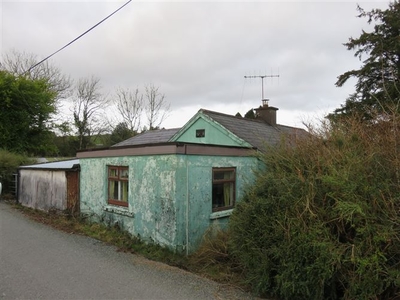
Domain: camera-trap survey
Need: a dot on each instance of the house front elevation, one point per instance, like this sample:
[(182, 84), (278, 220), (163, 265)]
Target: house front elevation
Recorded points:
[(170, 186)]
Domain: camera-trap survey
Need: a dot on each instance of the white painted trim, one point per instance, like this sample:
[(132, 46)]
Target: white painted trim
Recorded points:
[(118, 210), (221, 214)]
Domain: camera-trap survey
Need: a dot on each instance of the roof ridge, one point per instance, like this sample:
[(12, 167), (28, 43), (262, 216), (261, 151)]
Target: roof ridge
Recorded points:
[(236, 117), (249, 120)]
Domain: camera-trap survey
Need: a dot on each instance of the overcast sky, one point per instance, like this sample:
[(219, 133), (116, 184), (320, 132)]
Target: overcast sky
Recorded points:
[(198, 53)]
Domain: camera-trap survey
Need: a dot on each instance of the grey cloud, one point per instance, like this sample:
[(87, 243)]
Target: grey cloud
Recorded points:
[(198, 52)]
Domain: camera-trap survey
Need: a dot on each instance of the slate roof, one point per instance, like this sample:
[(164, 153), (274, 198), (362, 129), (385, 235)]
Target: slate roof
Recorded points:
[(149, 137), (258, 133)]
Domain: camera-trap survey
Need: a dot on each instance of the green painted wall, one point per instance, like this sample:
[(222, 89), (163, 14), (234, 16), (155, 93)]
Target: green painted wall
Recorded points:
[(169, 195), (200, 192), (215, 134)]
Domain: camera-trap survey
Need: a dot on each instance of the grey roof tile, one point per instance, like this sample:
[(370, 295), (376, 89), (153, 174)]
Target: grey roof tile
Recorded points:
[(149, 137), (258, 133)]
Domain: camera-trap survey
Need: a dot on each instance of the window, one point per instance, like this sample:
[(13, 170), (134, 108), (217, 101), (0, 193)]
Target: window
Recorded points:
[(223, 188), (200, 133), (118, 182)]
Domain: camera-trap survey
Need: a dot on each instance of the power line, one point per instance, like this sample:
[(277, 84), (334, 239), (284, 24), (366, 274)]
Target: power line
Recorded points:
[(43, 60)]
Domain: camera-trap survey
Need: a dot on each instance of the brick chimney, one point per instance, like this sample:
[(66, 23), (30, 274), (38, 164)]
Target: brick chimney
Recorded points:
[(266, 113)]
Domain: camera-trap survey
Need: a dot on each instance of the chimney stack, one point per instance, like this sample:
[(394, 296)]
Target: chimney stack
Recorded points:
[(266, 113)]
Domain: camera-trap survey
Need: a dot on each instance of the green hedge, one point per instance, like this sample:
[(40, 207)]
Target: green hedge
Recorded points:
[(322, 220), (9, 163)]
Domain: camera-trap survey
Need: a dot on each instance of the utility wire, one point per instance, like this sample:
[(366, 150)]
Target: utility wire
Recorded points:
[(43, 60)]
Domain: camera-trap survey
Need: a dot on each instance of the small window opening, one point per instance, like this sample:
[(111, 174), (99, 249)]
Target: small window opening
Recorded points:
[(200, 133), (223, 188), (118, 182)]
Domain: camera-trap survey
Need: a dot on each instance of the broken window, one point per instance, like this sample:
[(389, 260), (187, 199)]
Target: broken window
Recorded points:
[(223, 188), (118, 181)]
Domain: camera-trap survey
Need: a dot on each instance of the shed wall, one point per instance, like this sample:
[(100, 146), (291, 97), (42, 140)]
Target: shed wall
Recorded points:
[(43, 189)]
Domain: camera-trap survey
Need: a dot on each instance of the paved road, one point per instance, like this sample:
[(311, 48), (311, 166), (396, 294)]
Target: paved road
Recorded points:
[(39, 262)]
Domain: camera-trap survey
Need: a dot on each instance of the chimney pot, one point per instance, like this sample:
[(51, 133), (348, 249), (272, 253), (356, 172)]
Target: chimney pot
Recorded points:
[(266, 113)]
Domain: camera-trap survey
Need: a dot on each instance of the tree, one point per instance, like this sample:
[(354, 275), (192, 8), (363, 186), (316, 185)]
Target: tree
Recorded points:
[(250, 114), (378, 79), (121, 133), (20, 63), (130, 106), (88, 105), (66, 143), (156, 107), (25, 116)]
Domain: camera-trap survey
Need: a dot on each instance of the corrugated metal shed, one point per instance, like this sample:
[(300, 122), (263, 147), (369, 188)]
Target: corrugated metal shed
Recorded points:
[(57, 165), (48, 186)]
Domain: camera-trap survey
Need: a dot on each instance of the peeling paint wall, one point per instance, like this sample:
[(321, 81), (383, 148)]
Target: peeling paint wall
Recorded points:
[(200, 191), (152, 211), (170, 196), (43, 189)]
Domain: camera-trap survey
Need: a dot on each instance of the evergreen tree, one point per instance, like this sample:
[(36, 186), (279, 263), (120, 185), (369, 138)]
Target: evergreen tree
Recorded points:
[(378, 79), (121, 133), (250, 114)]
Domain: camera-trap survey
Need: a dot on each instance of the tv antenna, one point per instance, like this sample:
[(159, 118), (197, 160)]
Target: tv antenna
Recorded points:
[(262, 81)]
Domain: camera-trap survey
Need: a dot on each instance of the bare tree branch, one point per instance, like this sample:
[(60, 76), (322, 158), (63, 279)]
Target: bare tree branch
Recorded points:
[(130, 106), (88, 105), (18, 62), (156, 107)]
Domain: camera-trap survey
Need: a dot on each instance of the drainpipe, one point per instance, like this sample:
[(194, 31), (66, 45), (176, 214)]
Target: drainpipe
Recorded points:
[(187, 202)]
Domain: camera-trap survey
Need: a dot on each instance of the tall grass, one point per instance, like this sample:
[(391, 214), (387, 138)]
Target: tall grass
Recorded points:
[(323, 218)]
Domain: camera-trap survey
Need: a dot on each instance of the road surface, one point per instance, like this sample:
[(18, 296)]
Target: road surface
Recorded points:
[(39, 262)]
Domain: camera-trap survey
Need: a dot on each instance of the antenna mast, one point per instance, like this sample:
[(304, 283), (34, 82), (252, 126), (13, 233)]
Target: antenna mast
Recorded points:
[(262, 81)]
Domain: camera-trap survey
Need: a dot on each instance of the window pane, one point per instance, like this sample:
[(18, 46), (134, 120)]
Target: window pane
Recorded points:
[(113, 190), (220, 175), (123, 173), (217, 195), (113, 172), (222, 194), (124, 191), (228, 194)]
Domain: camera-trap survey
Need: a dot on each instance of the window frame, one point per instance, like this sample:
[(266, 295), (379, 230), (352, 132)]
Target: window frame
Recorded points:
[(119, 179), (222, 181)]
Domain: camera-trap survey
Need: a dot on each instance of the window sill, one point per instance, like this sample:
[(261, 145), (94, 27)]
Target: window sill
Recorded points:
[(118, 210), (221, 214)]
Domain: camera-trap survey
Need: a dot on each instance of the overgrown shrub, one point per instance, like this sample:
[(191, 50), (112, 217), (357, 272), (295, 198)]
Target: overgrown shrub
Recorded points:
[(213, 258), (9, 163), (322, 220)]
